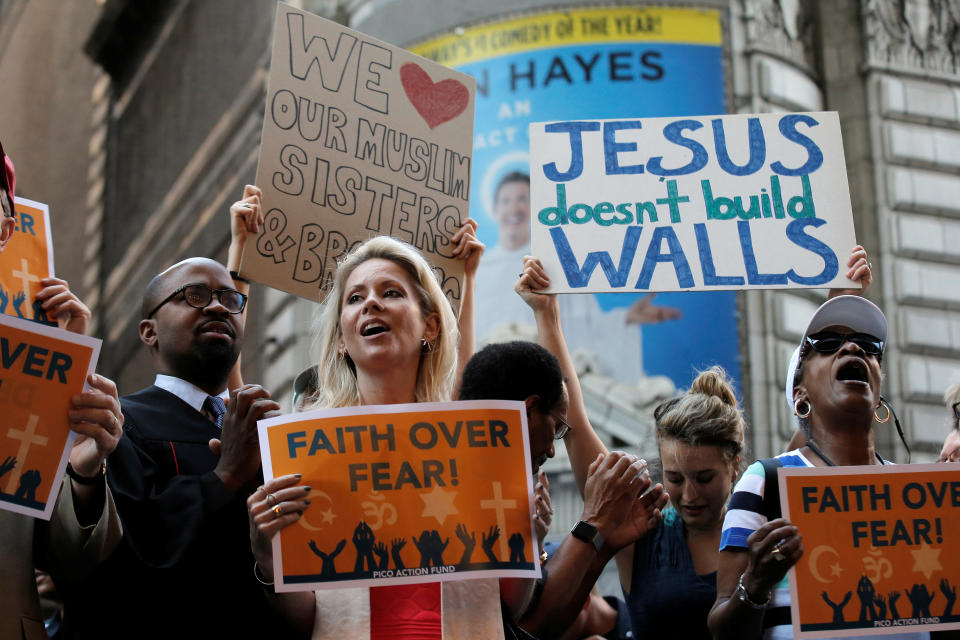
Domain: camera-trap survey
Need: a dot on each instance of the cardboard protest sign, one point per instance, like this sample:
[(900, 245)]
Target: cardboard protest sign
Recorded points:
[(26, 261), (691, 203), (404, 493), (879, 548), (42, 368), (360, 138)]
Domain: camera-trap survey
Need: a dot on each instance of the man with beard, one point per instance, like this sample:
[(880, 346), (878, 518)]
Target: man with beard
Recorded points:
[(184, 569)]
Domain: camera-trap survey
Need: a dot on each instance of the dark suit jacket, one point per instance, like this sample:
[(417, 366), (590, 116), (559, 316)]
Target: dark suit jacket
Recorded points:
[(184, 568)]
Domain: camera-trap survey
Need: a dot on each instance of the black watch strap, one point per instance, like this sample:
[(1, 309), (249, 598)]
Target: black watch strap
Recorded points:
[(84, 480), (585, 531)]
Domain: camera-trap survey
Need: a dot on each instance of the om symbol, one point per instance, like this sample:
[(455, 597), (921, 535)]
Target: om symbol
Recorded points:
[(378, 512), (876, 566)]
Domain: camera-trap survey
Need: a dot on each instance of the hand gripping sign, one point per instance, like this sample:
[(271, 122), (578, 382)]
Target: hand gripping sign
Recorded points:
[(879, 548), (404, 493)]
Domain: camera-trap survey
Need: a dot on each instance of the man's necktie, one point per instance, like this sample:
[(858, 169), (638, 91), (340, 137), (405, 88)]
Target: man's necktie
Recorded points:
[(215, 408)]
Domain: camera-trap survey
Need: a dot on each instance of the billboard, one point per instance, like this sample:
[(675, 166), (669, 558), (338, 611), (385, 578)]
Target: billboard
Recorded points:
[(590, 63)]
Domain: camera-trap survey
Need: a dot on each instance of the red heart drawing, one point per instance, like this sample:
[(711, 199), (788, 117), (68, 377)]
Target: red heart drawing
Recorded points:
[(436, 102)]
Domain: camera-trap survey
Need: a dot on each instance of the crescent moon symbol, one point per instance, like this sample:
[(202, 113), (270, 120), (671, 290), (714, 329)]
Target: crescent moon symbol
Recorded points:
[(815, 556), (303, 519)]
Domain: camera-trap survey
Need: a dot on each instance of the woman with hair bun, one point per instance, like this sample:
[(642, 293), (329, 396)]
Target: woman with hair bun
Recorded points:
[(669, 574), (673, 584)]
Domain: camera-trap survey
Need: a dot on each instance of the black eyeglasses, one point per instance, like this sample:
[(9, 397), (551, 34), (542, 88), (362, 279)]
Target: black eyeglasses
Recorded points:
[(563, 429), (831, 341), (199, 296)]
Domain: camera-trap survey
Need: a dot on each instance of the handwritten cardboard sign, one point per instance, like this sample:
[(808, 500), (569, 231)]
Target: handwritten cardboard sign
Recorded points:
[(404, 493), (691, 203), (26, 261), (42, 367), (360, 138), (879, 548)]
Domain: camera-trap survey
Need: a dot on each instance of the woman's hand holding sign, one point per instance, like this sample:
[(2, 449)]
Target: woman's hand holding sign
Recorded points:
[(272, 507), (773, 549), (59, 303)]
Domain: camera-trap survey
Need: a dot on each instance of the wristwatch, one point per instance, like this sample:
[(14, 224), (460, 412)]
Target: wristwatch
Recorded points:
[(747, 600), (85, 480), (588, 533)]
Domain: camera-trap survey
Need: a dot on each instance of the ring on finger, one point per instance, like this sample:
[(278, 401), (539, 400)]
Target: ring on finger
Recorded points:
[(777, 553), (272, 497), (277, 511)]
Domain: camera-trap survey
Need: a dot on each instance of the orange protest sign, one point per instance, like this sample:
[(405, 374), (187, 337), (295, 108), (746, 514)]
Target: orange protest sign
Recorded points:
[(404, 493), (26, 261), (879, 548), (42, 367)]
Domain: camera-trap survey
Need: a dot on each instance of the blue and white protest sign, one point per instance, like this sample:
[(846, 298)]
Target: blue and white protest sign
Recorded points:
[(691, 203)]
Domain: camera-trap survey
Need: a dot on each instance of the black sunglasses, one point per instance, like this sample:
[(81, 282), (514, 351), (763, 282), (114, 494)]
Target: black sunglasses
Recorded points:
[(199, 296), (831, 341)]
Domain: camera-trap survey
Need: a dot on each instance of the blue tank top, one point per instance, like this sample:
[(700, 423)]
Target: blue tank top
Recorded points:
[(667, 598)]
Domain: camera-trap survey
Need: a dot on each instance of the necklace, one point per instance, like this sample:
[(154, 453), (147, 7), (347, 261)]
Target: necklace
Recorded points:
[(813, 447)]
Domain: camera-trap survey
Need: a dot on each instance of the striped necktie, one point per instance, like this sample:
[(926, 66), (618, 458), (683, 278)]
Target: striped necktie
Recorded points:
[(215, 408)]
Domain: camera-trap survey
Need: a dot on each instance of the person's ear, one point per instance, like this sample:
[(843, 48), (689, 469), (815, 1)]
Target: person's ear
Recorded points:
[(148, 333), (532, 402), (6, 230), (431, 329)]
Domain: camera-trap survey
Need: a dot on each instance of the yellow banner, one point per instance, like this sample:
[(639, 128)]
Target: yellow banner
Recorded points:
[(576, 26)]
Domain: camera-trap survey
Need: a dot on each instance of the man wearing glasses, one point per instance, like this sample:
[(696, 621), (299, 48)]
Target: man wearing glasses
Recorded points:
[(181, 479)]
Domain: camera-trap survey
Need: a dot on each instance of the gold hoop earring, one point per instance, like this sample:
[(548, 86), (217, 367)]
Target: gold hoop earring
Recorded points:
[(796, 408), (886, 418)]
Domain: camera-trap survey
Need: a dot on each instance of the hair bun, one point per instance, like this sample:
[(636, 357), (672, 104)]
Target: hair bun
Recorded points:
[(715, 382)]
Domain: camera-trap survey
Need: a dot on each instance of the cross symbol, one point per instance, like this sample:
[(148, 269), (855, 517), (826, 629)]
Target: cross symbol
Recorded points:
[(26, 437), (25, 277), (500, 505)]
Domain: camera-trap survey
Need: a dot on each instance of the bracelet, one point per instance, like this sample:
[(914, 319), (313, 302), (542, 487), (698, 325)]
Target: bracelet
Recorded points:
[(256, 574), (88, 481), (239, 278), (745, 597)]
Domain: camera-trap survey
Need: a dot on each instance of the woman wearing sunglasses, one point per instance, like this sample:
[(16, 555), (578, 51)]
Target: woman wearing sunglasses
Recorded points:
[(836, 391)]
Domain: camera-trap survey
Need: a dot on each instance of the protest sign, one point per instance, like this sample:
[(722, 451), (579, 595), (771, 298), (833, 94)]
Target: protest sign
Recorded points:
[(42, 368), (877, 548), (26, 261), (360, 138), (691, 204), (404, 493)]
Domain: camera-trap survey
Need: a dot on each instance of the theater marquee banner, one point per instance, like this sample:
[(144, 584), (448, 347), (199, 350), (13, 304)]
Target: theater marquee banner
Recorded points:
[(588, 63)]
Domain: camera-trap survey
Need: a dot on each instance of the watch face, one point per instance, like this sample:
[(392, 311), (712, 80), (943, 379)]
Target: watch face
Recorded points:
[(588, 533), (584, 531)]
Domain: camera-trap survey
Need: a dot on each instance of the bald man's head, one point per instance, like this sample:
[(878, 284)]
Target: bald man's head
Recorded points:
[(199, 345)]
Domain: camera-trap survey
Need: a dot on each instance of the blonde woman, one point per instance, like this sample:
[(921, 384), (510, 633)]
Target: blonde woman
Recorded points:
[(386, 335)]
